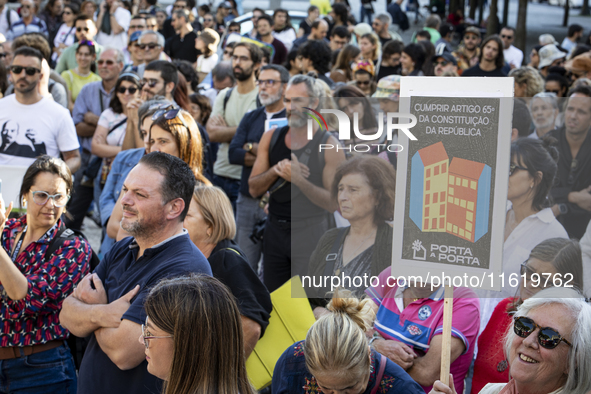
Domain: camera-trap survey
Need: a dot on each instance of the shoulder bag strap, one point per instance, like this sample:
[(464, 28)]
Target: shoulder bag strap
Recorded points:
[(383, 361), (331, 257)]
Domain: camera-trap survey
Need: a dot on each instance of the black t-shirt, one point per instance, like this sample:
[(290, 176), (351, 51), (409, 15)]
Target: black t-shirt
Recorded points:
[(306, 27), (387, 70), (476, 71), (182, 49), (383, 41), (230, 266)]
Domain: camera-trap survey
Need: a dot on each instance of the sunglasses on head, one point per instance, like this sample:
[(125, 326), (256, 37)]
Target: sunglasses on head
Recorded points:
[(30, 71), (151, 45), (168, 114), (79, 29), (130, 89), (548, 338)]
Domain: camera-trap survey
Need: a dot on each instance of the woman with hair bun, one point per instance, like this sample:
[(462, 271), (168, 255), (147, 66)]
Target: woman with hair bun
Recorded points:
[(336, 356)]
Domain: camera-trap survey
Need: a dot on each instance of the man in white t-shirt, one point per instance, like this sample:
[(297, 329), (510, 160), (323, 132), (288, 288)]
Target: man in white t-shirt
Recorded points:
[(112, 22), (512, 55), (30, 124), (7, 21)]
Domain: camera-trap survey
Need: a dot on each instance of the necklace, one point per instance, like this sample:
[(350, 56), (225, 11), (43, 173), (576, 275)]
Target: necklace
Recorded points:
[(338, 271)]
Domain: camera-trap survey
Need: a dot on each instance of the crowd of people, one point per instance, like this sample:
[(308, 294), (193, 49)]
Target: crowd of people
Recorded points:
[(186, 139)]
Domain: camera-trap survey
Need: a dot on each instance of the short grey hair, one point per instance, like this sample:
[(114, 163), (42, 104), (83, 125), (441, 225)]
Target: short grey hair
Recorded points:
[(223, 70), (314, 89), (159, 37), (182, 13), (547, 97), (384, 18), (119, 57), (433, 21), (579, 355)]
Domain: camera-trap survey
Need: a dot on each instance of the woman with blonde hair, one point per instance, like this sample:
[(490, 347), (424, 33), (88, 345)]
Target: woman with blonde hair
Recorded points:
[(370, 46), (212, 228), (207, 42), (193, 337), (336, 356), (528, 81)]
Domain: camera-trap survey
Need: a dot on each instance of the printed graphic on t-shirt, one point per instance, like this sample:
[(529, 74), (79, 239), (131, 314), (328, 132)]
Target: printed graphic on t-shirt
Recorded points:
[(17, 141)]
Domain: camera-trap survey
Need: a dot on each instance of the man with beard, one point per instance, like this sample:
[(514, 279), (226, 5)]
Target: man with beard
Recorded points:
[(300, 203), (265, 34), (572, 189), (85, 31), (230, 106), (108, 305), (45, 127), (243, 151), (468, 52), (491, 60)]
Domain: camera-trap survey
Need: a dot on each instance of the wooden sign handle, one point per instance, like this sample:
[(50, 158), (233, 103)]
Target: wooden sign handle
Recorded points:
[(446, 335)]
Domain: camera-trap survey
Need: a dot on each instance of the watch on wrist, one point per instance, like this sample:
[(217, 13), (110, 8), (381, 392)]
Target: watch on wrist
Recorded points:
[(248, 147), (562, 208)]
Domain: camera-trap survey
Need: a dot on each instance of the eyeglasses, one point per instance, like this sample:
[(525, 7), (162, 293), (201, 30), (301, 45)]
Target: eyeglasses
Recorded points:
[(41, 198), (150, 46), (100, 62), (148, 337), (548, 338), (539, 281), (79, 29), (442, 64), (514, 167), (130, 89), (506, 36), (30, 71), (267, 82), (150, 82)]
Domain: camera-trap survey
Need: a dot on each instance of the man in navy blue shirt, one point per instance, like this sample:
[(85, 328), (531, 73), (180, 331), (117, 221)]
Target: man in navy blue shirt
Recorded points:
[(243, 150), (109, 302)]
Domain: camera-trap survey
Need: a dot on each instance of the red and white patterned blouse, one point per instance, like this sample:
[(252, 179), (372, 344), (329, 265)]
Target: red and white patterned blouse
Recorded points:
[(35, 319)]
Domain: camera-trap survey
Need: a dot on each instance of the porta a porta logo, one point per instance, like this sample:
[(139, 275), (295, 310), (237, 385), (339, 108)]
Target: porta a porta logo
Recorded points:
[(345, 124)]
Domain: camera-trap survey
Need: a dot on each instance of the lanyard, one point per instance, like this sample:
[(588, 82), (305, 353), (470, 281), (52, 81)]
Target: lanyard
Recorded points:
[(17, 248), (101, 100)]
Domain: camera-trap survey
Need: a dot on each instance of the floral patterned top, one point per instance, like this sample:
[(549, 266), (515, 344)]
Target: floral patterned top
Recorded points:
[(35, 319), (292, 376)]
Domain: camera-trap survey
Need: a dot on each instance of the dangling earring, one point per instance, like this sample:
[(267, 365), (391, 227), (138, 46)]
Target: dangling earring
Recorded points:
[(24, 203)]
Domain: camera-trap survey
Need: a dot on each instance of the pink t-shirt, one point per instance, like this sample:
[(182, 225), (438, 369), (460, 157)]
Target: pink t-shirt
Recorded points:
[(416, 324)]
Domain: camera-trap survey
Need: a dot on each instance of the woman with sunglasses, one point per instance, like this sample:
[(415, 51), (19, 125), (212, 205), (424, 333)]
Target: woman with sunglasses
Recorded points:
[(65, 35), (552, 263), (547, 347), (193, 337), (529, 219), (35, 356), (112, 123), (84, 73)]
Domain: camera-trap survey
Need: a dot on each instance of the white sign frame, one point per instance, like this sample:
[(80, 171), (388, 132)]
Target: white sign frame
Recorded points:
[(497, 87)]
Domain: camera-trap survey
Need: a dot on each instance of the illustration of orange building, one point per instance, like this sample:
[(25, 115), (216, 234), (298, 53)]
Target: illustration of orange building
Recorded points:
[(452, 198), (428, 188)]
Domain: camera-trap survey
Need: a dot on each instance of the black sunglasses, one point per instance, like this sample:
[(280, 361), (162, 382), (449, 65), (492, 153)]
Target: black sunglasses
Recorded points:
[(150, 82), (2, 55), (548, 338), (514, 167), (169, 114), (30, 71), (130, 89), (79, 29)]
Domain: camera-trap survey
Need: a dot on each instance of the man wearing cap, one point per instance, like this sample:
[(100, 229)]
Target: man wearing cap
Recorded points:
[(388, 95), (550, 56), (513, 56), (579, 67), (445, 63), (135, 56), (469, 51), (318, 31)]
